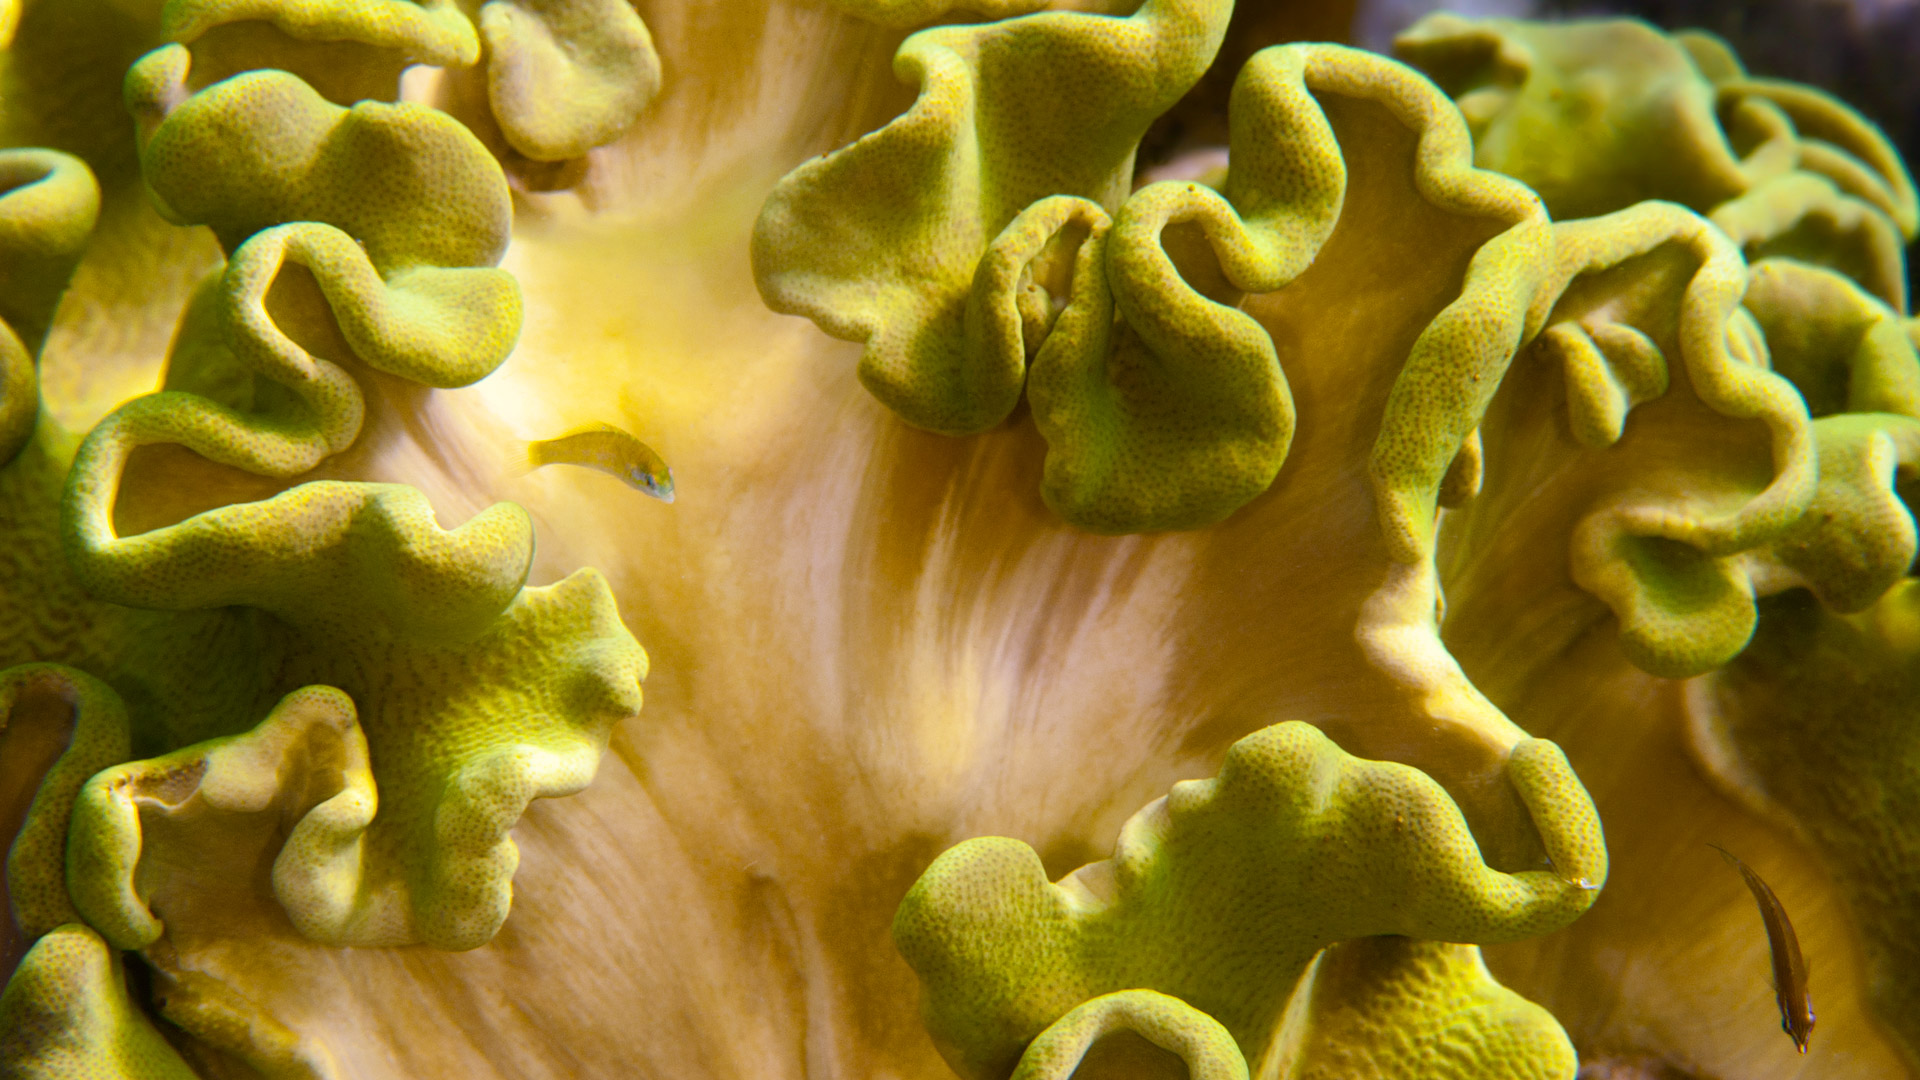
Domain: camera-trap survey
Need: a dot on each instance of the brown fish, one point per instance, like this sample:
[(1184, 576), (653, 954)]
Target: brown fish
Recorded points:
[(1789, 969)]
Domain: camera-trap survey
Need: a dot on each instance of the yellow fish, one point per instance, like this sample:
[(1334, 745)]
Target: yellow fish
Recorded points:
[(610, 450)]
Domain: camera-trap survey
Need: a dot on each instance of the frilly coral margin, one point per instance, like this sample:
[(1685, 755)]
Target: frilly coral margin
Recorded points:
[(48, 204), (879, 242), (65, 1013), (1302, 449), (446, 695), (1221, 894)]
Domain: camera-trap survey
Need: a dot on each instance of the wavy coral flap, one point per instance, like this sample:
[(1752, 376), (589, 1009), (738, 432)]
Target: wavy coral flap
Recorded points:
[(1203, 1048), (1851, 359), (1398, 1006), (1180, 414), (1221, 894), (1598, 115), (473, 695), (411, 184), (1645, 308), (413, 849), (48, 204), (1177, 412), (66, 1014), (1805, 217), (1595, 115), (565, 76), (1373, 1006), (59, 727), (433, 32), (879, 242)]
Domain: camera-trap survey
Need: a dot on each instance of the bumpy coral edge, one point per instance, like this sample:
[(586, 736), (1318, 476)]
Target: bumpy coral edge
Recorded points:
[(999, 950), (1866, 165), (429, 32), (37, 862), (1777, 207), (1732, 385), (48, 204), (1456, 363), (909, 304), (1204, 1047), (66, 1013), (563, 80), (290, 553)]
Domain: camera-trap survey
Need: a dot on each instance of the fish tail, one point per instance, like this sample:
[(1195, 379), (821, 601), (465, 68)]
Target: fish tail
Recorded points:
[(534, 457)]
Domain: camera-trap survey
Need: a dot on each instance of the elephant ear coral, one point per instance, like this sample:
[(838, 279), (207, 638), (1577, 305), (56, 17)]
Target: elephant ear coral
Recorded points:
[(1334, 470), (1222, 894), (48, 203), (66, 1012), (1172, 415), (879, 242), (448, 695), (1196, 903), (1705, 434), (1598, 115)]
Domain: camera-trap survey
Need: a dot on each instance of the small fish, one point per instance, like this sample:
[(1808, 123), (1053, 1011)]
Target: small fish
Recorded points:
[(1789, 970), (610, 450)]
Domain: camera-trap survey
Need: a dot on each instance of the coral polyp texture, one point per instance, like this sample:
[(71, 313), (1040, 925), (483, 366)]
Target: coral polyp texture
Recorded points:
[(1284, 592)]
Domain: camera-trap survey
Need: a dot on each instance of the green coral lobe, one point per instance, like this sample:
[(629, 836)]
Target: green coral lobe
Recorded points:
[(565, 76), (1223, 892), (66, 1014), (1204, 1048), (879, 242), (410, 184), (424, 31), (48, 204), (96, 720), (1394, 1006)]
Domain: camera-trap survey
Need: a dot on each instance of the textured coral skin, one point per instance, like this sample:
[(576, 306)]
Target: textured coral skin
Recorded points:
[(1294, 610)]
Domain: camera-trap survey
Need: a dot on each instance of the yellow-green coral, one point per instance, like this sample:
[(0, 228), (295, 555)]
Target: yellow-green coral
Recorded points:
[(1164, 406), (1417, 467), (565, 76), (472, 708), (1813, 727), (433, 32), (1378, 1003), (466, 733), (879, 242), (1222, 894), (94, 737), (48, 202), (409, 183), (1665, 558), (452, 696), (1204, 1049), (65, 1015), (1597, 116)]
